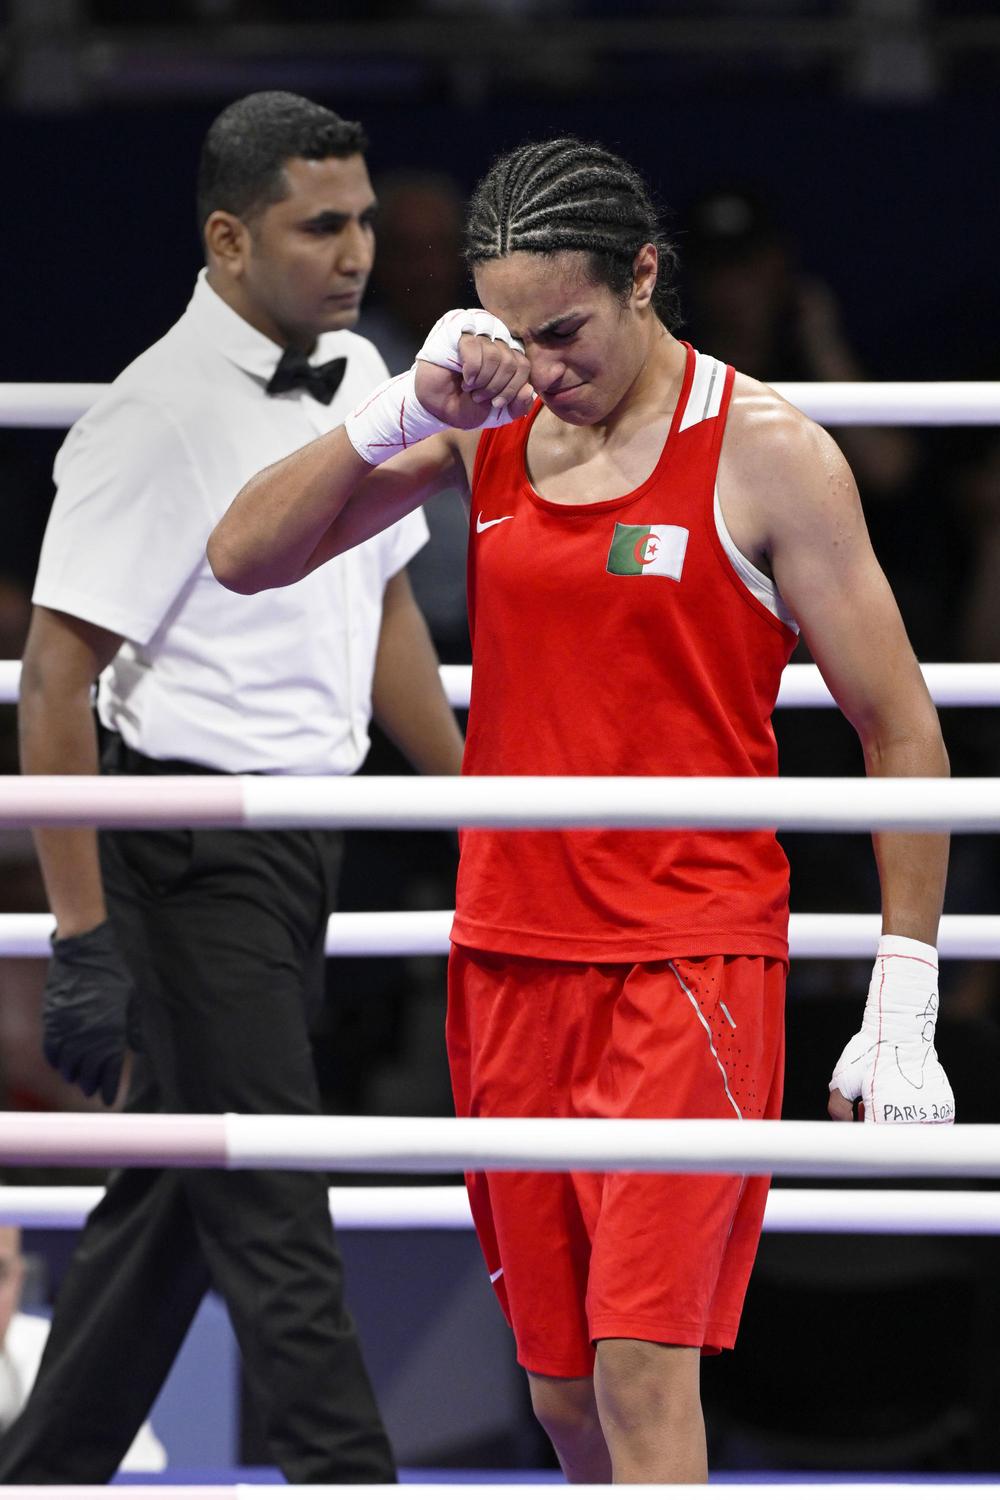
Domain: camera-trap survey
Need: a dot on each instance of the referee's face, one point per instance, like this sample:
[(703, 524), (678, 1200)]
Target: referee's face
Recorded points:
[(308, 257)]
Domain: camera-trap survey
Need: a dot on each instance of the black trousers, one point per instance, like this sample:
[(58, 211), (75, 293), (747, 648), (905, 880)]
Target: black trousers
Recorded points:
[(223, 931)]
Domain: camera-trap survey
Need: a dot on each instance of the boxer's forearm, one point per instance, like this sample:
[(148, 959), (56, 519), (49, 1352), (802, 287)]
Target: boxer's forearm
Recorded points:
[(912, 866), (284, 522), (276, 522)]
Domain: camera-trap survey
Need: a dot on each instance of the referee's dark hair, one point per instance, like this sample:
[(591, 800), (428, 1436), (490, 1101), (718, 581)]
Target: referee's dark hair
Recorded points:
[(242, 160), (568, 194)]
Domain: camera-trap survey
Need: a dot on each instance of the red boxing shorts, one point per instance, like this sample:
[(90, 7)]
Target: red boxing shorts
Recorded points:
[(579, 1256)]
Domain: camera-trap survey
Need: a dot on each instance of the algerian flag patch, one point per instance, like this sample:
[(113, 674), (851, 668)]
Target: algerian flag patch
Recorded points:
[(648, 549)]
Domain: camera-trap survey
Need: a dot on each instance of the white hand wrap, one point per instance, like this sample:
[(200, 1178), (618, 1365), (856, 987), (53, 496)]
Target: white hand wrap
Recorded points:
[(391, 418), (891, 1064), (440, 347)]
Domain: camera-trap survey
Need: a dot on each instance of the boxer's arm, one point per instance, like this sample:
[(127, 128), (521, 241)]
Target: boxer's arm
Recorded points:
[(807, 518), (395, 450), (828, 575), (320, 501)]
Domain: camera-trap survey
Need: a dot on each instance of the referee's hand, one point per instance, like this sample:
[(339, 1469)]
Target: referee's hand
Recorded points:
[(89, 994)]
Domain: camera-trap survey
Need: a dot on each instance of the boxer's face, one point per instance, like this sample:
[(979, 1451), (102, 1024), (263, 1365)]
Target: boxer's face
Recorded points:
[(585, 344), (302, 263)]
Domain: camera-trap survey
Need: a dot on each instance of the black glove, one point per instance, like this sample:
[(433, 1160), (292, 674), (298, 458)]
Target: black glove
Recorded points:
[(85, 1011)]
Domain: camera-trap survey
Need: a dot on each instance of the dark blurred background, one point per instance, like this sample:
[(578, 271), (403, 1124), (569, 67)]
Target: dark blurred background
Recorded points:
[(828, 169)]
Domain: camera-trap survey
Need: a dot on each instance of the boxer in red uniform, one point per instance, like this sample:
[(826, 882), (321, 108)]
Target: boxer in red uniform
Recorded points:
[(649, 534)]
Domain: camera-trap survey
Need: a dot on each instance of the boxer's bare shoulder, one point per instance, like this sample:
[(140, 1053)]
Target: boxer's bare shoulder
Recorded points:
[(780, 471)]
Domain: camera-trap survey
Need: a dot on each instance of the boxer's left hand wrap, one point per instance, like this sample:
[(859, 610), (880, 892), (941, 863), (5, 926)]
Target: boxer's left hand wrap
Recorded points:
[(391, 418), (891, 1064)]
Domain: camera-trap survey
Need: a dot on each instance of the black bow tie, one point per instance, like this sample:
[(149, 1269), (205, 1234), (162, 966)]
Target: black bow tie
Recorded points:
[(321, 381)]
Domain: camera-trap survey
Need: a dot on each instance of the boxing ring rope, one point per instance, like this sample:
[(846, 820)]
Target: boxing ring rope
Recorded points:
[(789, 1210), (838, 403), (951, 685), (400, 934), (803, 803), (419, 1145)]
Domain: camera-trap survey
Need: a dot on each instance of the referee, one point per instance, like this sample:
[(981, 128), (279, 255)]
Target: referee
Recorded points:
[(204, 949)]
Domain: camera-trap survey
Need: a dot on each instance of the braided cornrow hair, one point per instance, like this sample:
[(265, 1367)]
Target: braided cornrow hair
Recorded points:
[(244, 153), (568, 194)]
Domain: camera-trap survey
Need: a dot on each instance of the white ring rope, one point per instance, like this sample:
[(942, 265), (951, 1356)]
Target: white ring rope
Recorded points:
[(798, 1148), (397, 934), (46, 403), (789, 1210), (839, 403), (902, 403), (966, 684), (808, 803), (951, 685)]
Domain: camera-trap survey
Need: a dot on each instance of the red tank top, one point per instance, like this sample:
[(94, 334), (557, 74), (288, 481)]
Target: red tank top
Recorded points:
[(619, 639)]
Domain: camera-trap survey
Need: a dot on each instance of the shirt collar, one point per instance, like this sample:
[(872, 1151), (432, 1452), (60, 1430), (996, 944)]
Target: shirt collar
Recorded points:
[(237, 339)]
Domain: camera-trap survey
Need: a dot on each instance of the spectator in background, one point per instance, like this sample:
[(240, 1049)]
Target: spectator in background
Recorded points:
[(752, 302), (420, 272)]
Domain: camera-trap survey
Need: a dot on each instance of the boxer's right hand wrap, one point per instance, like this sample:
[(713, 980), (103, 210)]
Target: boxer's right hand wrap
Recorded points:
[(391, 419), (440, 347), (891, 1063)]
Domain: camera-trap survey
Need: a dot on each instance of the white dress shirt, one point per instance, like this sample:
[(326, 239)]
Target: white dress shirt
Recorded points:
[(272, 682)]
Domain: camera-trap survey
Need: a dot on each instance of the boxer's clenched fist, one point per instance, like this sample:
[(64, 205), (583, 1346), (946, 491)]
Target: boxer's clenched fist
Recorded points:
[(890, 1068), (472, 373)]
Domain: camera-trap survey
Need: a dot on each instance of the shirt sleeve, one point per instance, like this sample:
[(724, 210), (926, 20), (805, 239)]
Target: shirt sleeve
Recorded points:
[(403, 541), (130, 521)]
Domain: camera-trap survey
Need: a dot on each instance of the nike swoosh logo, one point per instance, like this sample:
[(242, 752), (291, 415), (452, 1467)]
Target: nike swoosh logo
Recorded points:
[(482, 525)]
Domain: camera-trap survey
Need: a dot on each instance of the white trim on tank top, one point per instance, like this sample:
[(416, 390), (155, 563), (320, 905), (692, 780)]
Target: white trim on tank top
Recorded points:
[(705, 396), (762, 587), (704, 402)]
